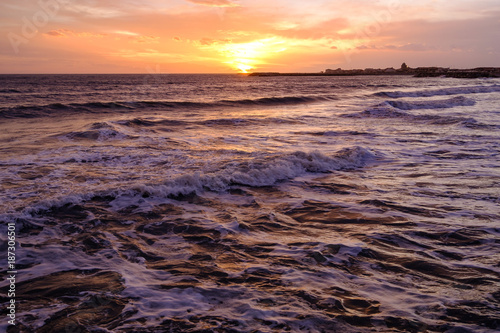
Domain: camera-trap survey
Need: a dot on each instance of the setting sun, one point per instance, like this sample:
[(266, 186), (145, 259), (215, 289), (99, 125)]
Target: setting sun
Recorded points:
[(244, 68), (246, 56)]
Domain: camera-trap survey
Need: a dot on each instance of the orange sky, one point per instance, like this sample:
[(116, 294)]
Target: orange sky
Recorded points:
[(228, 36)]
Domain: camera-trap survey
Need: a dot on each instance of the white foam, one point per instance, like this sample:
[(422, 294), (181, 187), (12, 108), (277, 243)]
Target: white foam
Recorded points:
[(261, 171), (265, 173), (441, 92), (394, 109), (432, 104), (99, 132)]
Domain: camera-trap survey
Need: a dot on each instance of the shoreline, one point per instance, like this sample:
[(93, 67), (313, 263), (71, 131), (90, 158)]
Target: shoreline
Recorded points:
[(480, 72)]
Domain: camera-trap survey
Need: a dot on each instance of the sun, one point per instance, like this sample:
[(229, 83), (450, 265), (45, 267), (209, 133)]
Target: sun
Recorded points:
[(246, 56), (243, 68)]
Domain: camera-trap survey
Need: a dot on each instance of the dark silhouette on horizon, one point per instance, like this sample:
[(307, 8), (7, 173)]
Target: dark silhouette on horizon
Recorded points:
[(403, 70)]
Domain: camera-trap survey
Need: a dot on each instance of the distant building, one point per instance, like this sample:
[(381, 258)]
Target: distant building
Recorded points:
[(334, 71)]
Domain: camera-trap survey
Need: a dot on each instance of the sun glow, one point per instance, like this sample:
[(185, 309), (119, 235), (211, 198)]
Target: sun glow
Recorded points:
[(244, 68), (246, 56)]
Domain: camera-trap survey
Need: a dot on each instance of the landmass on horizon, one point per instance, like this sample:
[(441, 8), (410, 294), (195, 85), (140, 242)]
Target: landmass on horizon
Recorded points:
[(403, 70)]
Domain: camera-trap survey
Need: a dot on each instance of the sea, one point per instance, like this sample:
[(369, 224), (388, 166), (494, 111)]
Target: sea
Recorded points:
[(235, 203)]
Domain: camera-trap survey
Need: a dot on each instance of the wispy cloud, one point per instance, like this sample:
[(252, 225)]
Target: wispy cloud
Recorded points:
[(412, 47), (95, 11), (214, 3), (133, 36), (146, 39), (71, 33), (127, 33)]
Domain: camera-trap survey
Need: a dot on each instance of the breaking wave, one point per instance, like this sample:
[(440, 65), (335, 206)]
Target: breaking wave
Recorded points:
[(387, 111), (259, 172), (441, 92), (102, 131), (435, 104)]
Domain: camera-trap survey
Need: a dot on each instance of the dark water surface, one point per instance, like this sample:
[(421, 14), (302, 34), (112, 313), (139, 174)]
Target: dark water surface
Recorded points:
[(226, 203)]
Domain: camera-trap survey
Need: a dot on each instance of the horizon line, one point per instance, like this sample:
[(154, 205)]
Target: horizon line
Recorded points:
[(236, 73)]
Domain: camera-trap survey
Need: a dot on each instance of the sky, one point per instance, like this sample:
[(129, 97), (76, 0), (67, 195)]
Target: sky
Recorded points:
[(231, 36)]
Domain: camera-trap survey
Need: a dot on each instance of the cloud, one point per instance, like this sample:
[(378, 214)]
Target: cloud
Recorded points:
[(145, 39), (210, 41), (413, 47), (133, 36), (58, 33), (71, 33), (214, 3), (94, 12), (127, 33), (329, 28), (138, 38), (207, 41)]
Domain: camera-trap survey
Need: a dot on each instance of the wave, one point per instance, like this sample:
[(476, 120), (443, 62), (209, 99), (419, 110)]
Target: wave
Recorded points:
[(280, 100), (378, 112), (336, 133), (441, 92), (131, 128), (247, 121), (140, 122), (259, 172), (9, 91), (101, 131), (56, 109), (436, 104), (386, 111)]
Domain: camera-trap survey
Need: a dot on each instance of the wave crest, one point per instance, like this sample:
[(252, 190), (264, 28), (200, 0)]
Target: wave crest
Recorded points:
[(435, 104), (101, 131), (57, 109), (259, 172), (441, 92)]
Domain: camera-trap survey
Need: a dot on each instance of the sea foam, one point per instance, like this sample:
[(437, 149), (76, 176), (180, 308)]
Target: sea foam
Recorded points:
[(440, 92)]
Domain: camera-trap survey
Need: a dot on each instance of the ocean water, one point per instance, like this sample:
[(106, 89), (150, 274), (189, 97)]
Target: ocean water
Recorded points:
[(229, 203)]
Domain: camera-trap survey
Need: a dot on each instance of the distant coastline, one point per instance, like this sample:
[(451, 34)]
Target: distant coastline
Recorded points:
[(403, 70)]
